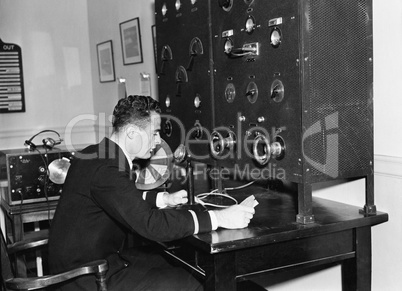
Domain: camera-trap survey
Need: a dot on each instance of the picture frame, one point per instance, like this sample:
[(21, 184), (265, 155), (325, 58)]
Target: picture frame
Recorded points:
[(130, 34), (153, 28), (106, 62)]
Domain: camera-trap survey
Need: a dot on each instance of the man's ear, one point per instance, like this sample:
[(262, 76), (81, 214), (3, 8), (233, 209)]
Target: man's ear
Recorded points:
[(132, 131)]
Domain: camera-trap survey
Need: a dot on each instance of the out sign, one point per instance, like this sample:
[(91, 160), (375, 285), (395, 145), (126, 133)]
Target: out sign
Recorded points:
[(8, 47)]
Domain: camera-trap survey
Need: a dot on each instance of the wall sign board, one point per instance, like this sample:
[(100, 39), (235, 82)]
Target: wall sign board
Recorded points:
[(11, 79)]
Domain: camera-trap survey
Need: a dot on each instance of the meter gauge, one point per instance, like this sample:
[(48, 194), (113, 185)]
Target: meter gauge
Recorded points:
[(276, 37), (230, 92), (180, 77), (226, 5), (250, 24), (166, 55), (195, 49)]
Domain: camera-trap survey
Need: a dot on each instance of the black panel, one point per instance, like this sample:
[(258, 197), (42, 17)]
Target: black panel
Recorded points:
[(273, 64), (340, 80), (309, 86), (185, 78)]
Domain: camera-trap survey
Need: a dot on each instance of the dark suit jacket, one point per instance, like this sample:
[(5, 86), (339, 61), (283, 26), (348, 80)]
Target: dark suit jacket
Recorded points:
[(100, 205)]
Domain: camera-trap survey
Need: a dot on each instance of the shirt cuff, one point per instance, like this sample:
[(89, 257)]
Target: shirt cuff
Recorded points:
[(159, 200), (196, 223), (203, 221), (214, 220)]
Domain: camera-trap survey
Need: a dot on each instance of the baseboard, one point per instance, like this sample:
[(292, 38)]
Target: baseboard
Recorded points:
[(388, 166)]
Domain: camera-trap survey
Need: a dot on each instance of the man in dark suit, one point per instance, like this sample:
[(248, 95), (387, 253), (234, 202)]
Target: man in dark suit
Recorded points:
[(100, 205)]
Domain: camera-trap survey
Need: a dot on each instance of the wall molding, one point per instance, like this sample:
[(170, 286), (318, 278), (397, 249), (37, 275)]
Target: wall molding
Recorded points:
[(27, 133), (388, 166), (12, 139)]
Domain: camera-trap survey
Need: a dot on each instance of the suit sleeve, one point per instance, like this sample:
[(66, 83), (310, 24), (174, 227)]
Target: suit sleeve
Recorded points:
[(150, 197), (117, 195)]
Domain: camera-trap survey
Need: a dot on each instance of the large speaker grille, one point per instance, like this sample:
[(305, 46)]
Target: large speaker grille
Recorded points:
[(339, 78)]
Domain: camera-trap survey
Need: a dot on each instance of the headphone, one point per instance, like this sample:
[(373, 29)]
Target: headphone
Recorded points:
[(48, 142)]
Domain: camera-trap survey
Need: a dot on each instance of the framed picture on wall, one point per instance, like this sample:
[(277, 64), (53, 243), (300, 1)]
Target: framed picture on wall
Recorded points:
[(105, 62), (130, 35), (155, 47)]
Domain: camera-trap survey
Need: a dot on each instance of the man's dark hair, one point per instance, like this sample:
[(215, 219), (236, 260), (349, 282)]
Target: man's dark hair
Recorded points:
[(134, 109)]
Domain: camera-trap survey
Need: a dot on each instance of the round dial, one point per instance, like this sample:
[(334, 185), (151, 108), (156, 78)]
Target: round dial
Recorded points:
[(262, 149), (164, 9), (168, 128), (228, 46), (197, 101), (250, 24), (276, 37), (178, 5), (277, 90), (252, 92)]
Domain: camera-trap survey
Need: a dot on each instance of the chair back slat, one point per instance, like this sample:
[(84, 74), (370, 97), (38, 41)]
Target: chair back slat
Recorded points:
[(6, 270)]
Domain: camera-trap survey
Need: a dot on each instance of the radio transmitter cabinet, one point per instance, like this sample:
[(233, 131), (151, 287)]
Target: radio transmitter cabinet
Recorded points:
[(27, 175), (280, 87)]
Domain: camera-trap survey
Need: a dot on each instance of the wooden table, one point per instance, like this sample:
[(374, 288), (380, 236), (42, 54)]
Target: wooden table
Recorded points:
[(274, 242), (15, 216), (18, 215)]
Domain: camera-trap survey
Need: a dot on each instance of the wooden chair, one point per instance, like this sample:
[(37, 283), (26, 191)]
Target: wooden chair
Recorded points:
[(9, 282)]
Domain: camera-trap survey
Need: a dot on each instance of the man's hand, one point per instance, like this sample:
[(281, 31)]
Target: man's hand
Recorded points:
[(176, 198), (236, 216)]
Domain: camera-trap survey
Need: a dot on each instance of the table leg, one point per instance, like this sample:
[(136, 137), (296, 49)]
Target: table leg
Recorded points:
[(356, 272), (18, 235), (221, 272), (305, 204), (369, 207)]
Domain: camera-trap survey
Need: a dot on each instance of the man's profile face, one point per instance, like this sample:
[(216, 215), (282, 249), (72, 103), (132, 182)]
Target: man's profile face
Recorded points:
[(150, 136)]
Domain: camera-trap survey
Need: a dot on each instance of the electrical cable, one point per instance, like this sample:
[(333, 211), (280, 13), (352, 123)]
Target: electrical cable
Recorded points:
[(215, 192), (241, 54), (241, 187), (46, 164), (202, 196)]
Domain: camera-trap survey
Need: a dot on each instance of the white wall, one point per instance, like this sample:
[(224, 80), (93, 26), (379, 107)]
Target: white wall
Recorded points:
[(53, 35), (62, 89), (104, 17), (387, 77)]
